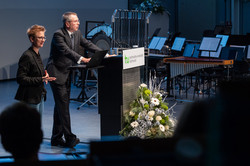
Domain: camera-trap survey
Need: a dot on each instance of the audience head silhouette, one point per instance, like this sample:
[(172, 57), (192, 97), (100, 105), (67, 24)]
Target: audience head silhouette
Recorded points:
[(21, 133), (220, 124)]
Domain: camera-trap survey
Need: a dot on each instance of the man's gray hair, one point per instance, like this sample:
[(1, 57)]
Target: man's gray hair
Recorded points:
[(67, 16)]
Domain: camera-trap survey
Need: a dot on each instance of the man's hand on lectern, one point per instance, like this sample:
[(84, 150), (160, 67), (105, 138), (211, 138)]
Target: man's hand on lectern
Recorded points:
[(107, 55), (85, 60)]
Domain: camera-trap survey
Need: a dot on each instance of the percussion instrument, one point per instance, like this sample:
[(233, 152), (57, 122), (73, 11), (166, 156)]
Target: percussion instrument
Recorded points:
[(185, 65)]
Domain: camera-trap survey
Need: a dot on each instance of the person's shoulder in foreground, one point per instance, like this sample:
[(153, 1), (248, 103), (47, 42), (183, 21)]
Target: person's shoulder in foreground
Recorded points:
[(21, 133)]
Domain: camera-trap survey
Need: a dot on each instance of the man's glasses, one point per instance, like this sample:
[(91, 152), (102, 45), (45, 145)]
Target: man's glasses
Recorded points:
[(75, 21)]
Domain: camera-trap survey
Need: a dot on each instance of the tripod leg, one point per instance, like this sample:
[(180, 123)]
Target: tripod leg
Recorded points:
[(88, 100)]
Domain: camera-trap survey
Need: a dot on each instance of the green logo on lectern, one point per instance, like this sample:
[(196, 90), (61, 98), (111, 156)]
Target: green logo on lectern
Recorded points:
[(126, 59)]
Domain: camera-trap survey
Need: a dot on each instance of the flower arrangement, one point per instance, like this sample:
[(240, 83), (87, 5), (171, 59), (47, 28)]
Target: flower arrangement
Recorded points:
[(151, 5), (149, 116)]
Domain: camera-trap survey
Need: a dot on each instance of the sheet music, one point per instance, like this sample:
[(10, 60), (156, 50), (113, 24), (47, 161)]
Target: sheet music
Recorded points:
[(209, 44), (212, 54), (161, 43), (224, 39), (157, 43), (178, 43)]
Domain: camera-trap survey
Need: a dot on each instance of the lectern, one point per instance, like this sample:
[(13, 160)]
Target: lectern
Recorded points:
[(116, 89)]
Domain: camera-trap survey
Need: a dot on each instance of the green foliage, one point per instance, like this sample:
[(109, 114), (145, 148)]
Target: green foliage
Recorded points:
[(148, 116), (164, 106)]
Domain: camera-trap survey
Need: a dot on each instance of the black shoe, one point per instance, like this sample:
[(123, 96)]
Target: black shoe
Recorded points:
[(72, 143), (59, 142)]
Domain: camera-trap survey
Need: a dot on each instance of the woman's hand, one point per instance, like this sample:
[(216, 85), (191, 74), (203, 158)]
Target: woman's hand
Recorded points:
[(47, 78)]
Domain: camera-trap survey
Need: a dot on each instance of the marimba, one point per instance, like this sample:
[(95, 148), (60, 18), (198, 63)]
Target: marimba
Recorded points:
[(185, 65), (182, 66)]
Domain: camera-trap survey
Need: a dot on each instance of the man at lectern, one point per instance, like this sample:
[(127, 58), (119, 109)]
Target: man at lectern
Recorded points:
[(65, 52)]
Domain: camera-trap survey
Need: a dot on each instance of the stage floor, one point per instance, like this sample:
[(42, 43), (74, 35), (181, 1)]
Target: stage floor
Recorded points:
[(85, 122)]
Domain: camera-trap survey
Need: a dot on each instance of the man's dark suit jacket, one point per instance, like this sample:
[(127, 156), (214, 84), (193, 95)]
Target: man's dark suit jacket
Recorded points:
[(62, 55), (29, 78)]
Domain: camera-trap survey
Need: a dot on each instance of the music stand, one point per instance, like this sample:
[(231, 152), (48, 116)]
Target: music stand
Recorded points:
[(83, 97), (196, 51), (237, 52), (238, 40), (215, 54), (191, 50), (248, 52), (88, 100), (210, 44), (224, 39), (94, 63), (157, 43), (178, 43)]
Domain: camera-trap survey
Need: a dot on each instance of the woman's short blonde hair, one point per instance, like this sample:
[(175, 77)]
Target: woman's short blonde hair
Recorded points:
[(34, 29)]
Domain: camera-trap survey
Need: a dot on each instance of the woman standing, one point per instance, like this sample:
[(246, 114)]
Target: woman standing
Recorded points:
[(31, 74)]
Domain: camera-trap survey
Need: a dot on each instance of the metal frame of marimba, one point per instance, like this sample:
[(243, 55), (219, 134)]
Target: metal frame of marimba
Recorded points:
[(182, 66)]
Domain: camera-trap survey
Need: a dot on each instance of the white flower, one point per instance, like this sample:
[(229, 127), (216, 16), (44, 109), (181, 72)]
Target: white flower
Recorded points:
[(143, 101), (134, 124), (143, 85), (162, 128), (142, 114), (157, 93), (157, 123), (149, 123), (131, 113), (147, 117), (172, 123), (151, 113), (151, 118), (155, 101), (158, 118)]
